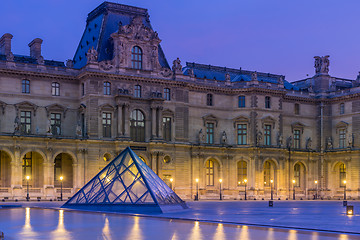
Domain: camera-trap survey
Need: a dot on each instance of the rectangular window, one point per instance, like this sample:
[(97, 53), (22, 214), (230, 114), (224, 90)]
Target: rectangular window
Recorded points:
[(107, 88), (342, 108), (167, 94), (137, 91), (106, 122), (210, 133), (267, 102), (342, 136), (296, 139), (27, 166), (55, 89), (297, 109), (241, 102), (82, 89), (342, 175), (25, 121), (167, 129), (267, 135), (209, 99), (242, 134), (55, 122), (210, 173), (25, 86)]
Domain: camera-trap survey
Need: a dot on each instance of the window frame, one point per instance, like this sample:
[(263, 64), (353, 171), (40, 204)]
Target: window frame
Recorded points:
[(137, 91), (209, 99), (136, 58), (55, 123), (297, 138), (267, 134), (297, 174), (241, 101), (55, 89), (27, 166), (297, 109), (107, 88), (167, 92), (342, 108), (342, 137), (25, 122), (167, 128), (106, 120), (210, 129), (25, 86), (342, 174), (241, 130), (241, 172), (267, 102), (210, 172), (137, 126)]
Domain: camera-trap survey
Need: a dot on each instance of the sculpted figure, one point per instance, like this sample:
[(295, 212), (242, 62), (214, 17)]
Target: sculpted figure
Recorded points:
[(351, 141), (329, 143), (92, 55), (254, 76), (16, 124), (48, 127), (227, 77), (258, 137), (308, 143), (289, 142), (10, 57), (322, 64), (177, 66), (280, 140), (41, 60), (191, 72), (78, 130), (201, 136), (69, 63), (223, 138)]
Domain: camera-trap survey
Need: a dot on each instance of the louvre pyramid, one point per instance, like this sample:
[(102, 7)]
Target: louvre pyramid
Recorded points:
[(126, 184)]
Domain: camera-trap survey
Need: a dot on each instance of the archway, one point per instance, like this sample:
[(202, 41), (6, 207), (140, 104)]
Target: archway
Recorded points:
[(32, 167), (269, 174), (300, 176), (63, 166), (5, 169), (212, 173)]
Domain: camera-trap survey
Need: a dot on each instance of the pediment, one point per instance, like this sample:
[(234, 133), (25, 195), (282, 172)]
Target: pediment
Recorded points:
[(107, 107), (25, 105), (342, 124), (168, 112), (210, 118), (268, 120), (297, 125), (56, 108), (241, 119)]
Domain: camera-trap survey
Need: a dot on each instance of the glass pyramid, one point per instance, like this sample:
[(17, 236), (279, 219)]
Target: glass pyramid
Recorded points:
[(126, 184)]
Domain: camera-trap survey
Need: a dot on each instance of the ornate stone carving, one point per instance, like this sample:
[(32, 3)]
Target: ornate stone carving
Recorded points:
[(322, 64), (166, 72), (17, 125), (191, 72), (308, 143), (10, 57), (106, 65), (40, 60), (351, 141), (69, 63), (254, 76), (201, 136), (280, 140), (289, 142), (258, 138), (329, 143), (78, 129), (223, 138), (92, 55), (177, 67), (137, 30)]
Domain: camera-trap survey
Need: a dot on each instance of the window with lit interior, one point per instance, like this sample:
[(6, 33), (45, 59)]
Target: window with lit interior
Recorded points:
[(136, 58)]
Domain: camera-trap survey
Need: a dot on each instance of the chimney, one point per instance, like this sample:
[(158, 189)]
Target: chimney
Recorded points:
[(35, 48), (5, 44)]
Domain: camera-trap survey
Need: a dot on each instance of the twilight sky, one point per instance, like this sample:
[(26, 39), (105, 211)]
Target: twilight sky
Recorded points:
[(276, 36)]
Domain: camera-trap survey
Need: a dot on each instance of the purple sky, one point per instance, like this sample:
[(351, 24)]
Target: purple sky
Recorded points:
[(276, 36)]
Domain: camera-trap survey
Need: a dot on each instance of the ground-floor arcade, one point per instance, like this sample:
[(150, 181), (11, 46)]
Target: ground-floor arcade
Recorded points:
[(188, 169)]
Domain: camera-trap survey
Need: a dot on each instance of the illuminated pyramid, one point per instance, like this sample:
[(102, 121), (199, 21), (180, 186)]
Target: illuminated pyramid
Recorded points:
[(126, 184)]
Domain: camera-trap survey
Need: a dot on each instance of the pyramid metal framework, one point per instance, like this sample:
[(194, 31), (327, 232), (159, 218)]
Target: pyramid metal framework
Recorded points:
[(126, 184)]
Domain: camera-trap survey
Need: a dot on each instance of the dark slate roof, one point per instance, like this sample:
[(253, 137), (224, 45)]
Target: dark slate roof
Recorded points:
[(236, 75), (28, 59), (341, 83), (101, 23)]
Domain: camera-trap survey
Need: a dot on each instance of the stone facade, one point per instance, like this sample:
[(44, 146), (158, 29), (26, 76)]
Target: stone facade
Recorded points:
[(193, 122)]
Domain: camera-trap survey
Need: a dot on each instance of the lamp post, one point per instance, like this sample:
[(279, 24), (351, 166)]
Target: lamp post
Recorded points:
[(316, 183), (197, 189), (271, 186), (220, 180), (61, 195), (27, 188), (293, 189), (171, 183), (344, 189), (245, 181)]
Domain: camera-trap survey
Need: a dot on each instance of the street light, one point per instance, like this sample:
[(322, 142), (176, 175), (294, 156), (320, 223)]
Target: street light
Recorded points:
[(245, 181), (61, 196), (197, 189), (220, 180), (344, 189), (316, 183), (293, 189), (171, 183), (27, 188), (271, 185)]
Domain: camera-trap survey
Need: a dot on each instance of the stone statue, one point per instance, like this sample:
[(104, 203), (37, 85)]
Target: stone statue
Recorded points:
[(322, 64), (177, 68), (329, 143), (92, 55), (10, 57), (48, 127), (223, 138), (308, 143), (166, 72), (41, 60), (191, 72), (201, 136), (280, 140), (351, 141), (281, 80), (16, 124), (78, 130), (258, 137), (254, 76), (227, 77), (69, 63), (289, 142)]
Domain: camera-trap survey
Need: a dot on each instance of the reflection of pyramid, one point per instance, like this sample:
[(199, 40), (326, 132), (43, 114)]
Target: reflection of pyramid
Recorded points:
[(126, 184)]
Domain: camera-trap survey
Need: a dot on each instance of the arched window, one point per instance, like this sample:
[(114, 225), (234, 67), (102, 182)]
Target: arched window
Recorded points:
[(242, 172), (107, 88), (342, 174), (210, 173), (55, 89), (136, 58), (297, 176), (25, 86), (269, 173), (137, 91), (209, 99), (137, 126)]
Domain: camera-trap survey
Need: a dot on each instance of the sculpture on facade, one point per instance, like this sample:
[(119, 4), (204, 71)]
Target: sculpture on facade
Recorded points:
[(351, 141), (69, 63), (329, 143), (48, 127), (289, 142), (280, 140), (191, 72), (177, 68), (78, 129), (322, 64), (16, 125), (227, 77), (258, 137), (92, 55), (223, 138), (308, 143), (41, 60), (201, 136), (254, 76), (137, 30), (10, 57)]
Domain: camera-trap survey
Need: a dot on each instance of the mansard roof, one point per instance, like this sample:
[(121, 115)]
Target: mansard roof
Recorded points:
[(101, 23), (28, 59), (202, 71)]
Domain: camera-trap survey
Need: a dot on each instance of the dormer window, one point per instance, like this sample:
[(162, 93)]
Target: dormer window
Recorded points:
[(136, 58)]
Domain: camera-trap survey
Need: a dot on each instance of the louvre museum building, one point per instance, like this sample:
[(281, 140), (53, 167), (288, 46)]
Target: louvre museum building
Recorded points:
[(198, 127)]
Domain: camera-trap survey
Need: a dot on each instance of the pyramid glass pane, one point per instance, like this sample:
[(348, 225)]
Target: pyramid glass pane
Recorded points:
[(126, 181)]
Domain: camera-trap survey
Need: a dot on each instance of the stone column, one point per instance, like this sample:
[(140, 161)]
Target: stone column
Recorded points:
[(126, 122), (119, 120), (160, 121), (153, 122), (49, 191)]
